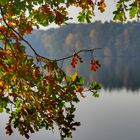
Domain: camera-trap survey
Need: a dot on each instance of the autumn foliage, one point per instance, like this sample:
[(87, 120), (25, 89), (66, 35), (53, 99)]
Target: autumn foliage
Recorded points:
[(34, 91), (94, 64), (75, 60)]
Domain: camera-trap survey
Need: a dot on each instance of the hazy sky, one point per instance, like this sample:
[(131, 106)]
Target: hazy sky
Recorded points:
[(106, 16)]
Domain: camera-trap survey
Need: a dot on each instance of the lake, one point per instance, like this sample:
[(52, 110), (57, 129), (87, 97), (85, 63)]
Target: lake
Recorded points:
[(115, 115)]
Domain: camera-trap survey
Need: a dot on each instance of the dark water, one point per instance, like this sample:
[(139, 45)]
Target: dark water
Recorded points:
[(115, 73), (115, 115)]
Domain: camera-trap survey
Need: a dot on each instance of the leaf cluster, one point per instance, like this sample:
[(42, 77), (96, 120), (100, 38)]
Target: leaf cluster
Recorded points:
[(34, 90)]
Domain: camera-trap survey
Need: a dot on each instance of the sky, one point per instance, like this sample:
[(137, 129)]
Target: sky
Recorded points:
[(105, 16)]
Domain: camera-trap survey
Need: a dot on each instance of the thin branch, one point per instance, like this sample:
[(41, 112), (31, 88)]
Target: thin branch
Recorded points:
[(40, 56), (6, 38), (11, 102), (81, 51), (6, 42), (2, 14)]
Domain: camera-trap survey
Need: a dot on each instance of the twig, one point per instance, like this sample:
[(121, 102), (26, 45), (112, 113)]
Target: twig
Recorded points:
[(2, 14), (6, 42), (84, 50), (40, 56)]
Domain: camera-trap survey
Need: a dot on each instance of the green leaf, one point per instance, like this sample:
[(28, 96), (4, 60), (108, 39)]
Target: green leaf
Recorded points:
[(17, 103), (80, 80), (1, 109), (3, 103), (95, 86), (133, 10), (95, 94), (3, 1)]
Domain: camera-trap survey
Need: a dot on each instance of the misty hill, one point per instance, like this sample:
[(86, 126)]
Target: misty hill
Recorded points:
[(115, 39), (119, 56)]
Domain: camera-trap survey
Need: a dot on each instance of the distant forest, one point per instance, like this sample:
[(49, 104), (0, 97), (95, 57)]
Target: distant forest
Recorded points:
[(119, 56), (115, 39)]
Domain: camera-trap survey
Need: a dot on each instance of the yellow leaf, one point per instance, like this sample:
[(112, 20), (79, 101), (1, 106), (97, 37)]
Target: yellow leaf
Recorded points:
[(6, 87), (73, 77), (1, 83), (102, 6), (3, 86)]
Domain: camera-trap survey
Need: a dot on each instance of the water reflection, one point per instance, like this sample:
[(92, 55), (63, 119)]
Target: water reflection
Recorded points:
[(115, 73), (112, 116), (115, 115)]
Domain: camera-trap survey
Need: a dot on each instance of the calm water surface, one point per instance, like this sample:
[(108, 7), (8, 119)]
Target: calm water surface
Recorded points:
[(115, 115)]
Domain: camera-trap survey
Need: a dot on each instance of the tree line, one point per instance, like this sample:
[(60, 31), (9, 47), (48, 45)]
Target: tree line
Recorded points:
[(115, 39)]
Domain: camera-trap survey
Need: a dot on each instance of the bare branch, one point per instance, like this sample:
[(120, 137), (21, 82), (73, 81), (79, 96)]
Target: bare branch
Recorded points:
[(2, 14), (38, 55), (81, 51)]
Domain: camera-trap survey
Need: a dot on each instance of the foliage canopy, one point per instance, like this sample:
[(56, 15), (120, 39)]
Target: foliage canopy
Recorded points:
[(34, 90)]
